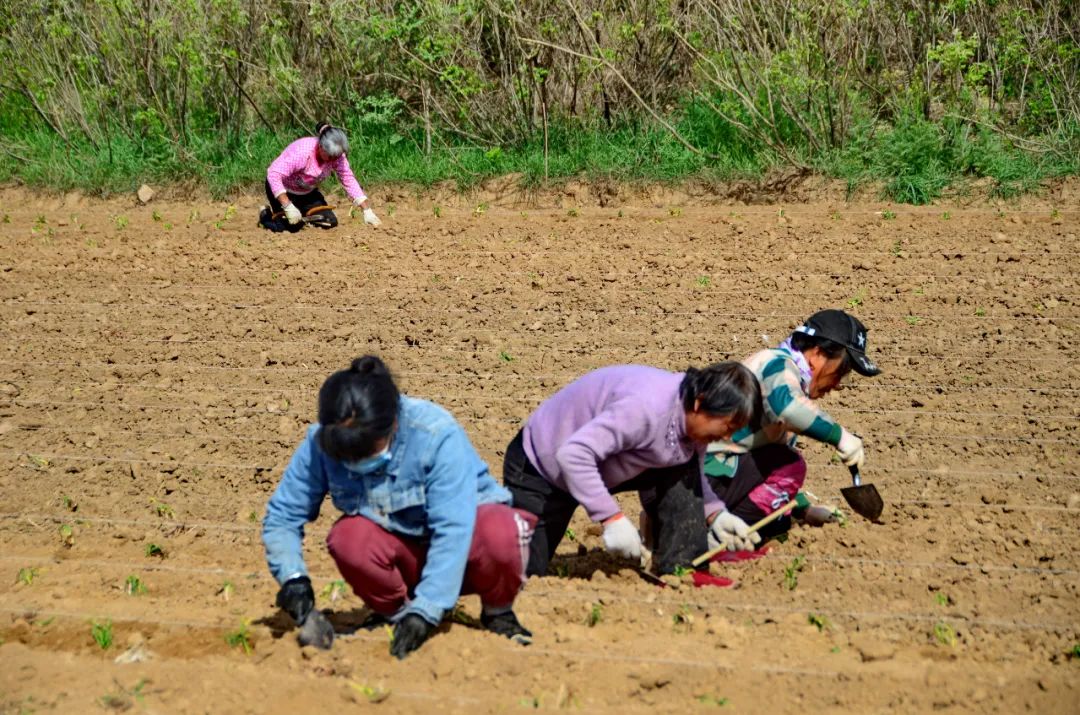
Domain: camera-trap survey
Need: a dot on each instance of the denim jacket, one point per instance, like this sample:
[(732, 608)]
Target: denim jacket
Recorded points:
[(429, 490)]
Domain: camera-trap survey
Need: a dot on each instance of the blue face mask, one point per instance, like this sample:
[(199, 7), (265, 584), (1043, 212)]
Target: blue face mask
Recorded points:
[(369, 465)]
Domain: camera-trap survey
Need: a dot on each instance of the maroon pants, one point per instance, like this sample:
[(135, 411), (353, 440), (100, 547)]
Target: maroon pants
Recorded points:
[(383, 568)]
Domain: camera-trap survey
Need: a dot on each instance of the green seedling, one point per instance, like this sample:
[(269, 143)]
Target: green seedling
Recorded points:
[(533, 703), (230, 212), (373, 693), (675, 212), (572, 213), (941, 599), (888, 215), (391, 209), (896, 249), (704, 281), (334, 590), (133, 586), (620, 214), (1074, 652), (67, 535), (945, 215), (437, 210), (38, 461), (562, 571), (7, 218), (153, 550), (682, 618), (193, 216), (681, 570), (219, 224), (121, 222), (240, 638), (226, 591), (156, 216), (816, 619), (791, 572), (69, 503), (835, 215), (102, 634), (980, 312), (596, 614), (480, 209), (460, 615), (253, 517), (571, 534), (858, 299), (167, 226), (164, 510), (945, 634), (41, 219), (505, 356), (835, 649), (1054, 213), (91, 243), (709, 699), (46, 623), (26, 576), (912, 319)]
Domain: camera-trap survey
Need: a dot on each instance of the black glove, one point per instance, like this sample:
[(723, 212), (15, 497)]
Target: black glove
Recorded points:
[(409, 634), (297, 598)]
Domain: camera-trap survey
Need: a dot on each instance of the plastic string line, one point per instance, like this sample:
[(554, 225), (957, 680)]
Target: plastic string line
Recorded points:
[(224, 411), (346, 349), (994, 623), (293, 390), (290, 370), (992, 569), (931, 438)]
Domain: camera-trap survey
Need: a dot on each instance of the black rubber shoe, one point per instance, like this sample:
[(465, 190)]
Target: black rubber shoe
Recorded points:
[(507, 625)]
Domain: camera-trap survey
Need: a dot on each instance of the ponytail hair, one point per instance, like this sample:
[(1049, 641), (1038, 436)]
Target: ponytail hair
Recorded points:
[(357, 408), (725, 388), (332, 140)]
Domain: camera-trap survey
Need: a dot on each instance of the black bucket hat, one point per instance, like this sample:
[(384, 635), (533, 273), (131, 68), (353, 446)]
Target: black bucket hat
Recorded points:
[(838, 326)]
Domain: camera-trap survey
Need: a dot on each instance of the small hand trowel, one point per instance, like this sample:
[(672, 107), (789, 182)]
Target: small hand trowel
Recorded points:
[(863, 499)]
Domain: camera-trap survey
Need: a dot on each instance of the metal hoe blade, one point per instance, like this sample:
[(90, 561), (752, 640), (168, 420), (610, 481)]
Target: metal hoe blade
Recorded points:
[(863, 499)]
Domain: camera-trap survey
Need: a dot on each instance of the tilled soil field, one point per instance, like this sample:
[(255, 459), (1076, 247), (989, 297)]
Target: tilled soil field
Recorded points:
[(160, 364)]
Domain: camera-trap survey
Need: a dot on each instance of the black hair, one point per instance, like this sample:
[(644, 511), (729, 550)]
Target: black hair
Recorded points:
[(357, 408), (725, 388), (829, 348), (321, 127)]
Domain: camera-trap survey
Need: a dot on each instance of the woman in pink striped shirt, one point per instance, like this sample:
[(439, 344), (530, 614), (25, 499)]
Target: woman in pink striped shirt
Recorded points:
[(292, 180)]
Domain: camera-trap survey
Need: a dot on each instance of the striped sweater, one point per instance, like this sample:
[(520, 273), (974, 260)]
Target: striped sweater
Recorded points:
[(788, 412)]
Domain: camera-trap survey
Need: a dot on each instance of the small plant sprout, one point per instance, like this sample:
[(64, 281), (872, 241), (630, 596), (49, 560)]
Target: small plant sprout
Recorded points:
[(1074, 652), (945, 634), (437, 210), (154, 551), (505, 356), (888, 215), (373, 693), (69, 503), (121, 222), (156, 216), (391, 209), (818, 620), (682, 619), (835, 649), (710, 699), (230, 212), (572, 213), (193, 216), (897, 249), (133, 586), (681, 570), (675, 212), (480, 209), (7, 218), (240, 638), (67, 535), (168, 226), (253, 517), (571, 534), (945, 216), (620, 214), (980, 312), (102, 634), (163, 510), (855, 301), (704, 281), (835, 215), (791, 572), (1054, 213), (334, 590), (38, 462), (226, 591), (596, 614), (941, 599), (26, 576), (912, 319)]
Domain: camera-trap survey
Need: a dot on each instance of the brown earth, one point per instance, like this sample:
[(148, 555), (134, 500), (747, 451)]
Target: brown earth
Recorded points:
[(160, 363)]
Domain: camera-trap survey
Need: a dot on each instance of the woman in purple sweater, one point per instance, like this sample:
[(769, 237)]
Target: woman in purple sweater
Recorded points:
[(622, 428)]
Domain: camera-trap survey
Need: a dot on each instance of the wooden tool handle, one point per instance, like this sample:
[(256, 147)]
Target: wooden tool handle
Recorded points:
[(776, 514)]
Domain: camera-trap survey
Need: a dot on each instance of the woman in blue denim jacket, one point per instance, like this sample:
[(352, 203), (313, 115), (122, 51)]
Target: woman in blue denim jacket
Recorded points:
[(423, 521)]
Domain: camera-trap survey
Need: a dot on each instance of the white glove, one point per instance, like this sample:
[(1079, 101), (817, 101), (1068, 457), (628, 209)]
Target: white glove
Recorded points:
[(621, 538), (850, 449), (292, 214), (732, 533), (370, 218)]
